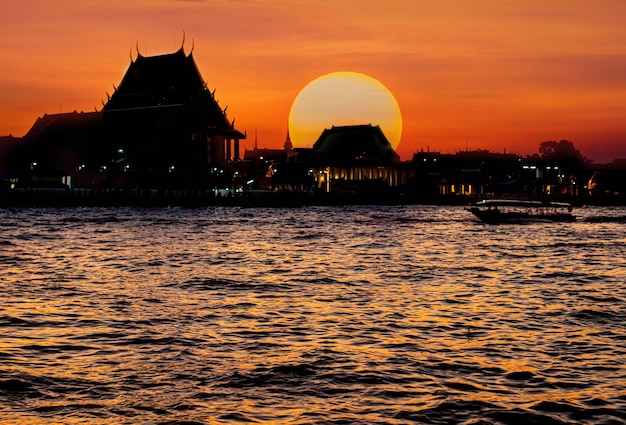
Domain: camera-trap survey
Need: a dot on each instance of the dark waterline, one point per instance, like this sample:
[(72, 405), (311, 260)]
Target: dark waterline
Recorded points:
[(317, 315)]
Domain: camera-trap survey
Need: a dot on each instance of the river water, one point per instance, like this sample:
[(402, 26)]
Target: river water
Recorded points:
[(317, 315)]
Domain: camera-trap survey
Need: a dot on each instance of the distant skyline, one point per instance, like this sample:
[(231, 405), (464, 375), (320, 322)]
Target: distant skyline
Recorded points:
[(480, 74)]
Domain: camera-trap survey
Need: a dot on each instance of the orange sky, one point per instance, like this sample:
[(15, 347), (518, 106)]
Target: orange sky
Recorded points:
[(486, 74)]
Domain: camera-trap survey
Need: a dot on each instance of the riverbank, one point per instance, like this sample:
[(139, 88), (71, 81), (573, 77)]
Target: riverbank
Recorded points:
[(63, 197)]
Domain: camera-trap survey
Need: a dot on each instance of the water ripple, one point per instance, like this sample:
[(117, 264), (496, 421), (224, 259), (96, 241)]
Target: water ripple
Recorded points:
[(383, 315)]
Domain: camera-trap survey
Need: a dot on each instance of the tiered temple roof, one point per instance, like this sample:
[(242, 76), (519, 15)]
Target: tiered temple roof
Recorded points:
[(171, 80), (162, 114)]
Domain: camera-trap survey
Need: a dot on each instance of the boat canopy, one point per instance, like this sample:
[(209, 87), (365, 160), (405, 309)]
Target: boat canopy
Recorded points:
[(521, 203)]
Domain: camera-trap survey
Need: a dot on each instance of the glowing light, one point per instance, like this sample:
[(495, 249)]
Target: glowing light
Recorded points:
[(343, 98)]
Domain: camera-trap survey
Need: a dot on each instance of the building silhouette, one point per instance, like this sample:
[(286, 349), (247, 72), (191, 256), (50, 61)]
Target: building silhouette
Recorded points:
[(161, 128), (162, 136), (356, 159)]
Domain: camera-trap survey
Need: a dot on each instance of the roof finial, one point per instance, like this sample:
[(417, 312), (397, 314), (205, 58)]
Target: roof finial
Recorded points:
[(183, 44), (137, 47), (193, 44)]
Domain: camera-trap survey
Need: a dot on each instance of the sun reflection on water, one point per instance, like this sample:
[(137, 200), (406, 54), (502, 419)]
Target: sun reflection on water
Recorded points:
[(308, 316)]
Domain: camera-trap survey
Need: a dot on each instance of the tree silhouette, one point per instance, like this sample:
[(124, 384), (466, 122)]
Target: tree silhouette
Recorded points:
[(562, 151), (572, 163)]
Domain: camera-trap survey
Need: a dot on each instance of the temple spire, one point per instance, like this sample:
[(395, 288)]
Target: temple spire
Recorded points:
[(288, 145)]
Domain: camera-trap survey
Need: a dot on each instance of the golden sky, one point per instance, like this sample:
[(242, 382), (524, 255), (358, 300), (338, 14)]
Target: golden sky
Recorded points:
[(482, 74)]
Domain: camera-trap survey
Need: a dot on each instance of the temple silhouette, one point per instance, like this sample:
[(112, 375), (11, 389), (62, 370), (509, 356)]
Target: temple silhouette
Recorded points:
[(162, 127), (162, 137)]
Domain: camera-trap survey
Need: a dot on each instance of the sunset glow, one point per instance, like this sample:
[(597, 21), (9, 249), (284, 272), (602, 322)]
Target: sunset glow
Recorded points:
[(343, 98), (478, 75)]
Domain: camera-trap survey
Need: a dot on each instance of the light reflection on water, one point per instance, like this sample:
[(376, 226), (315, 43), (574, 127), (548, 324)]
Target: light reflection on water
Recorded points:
[(311, 315)]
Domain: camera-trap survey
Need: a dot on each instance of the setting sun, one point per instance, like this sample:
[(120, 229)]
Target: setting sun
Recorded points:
[(343, 98)]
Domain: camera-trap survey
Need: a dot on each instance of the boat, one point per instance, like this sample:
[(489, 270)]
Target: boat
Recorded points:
[(497, 211)]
